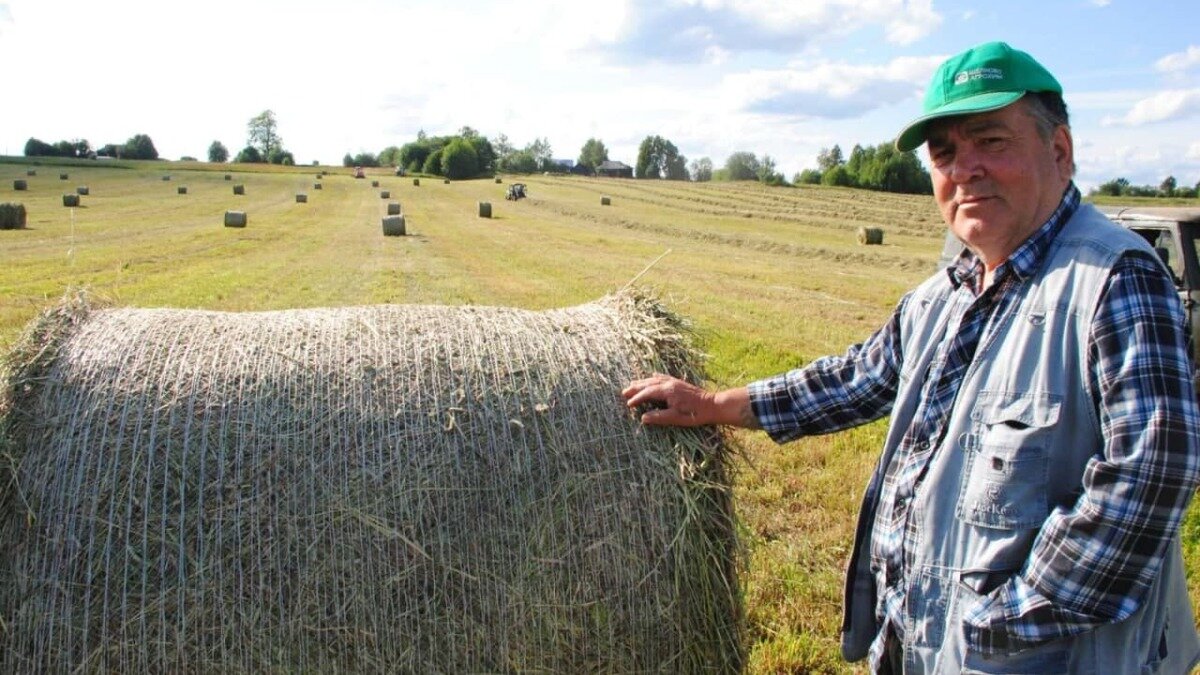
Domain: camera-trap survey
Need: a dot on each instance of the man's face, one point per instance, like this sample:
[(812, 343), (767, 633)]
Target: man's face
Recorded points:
[(995, 179)]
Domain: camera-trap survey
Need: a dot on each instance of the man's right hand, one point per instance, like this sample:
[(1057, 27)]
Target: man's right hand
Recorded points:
[(686, 405)]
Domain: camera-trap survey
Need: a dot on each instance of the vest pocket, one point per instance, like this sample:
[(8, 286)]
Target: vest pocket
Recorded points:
[(1004, 480)]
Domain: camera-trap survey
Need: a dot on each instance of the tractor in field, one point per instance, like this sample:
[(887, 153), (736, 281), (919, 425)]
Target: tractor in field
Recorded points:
[(516, 191), (358, 172)]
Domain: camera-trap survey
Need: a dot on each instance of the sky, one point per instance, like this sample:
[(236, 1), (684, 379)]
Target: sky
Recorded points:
[(779, 78)]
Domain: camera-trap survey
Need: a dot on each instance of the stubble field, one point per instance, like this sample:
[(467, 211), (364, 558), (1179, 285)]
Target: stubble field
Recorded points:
[(771, 277)]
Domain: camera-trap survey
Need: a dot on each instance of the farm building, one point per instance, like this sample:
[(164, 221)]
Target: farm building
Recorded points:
[(613, 169)]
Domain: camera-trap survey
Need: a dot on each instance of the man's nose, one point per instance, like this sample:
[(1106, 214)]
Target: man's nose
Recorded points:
[(968, 165)]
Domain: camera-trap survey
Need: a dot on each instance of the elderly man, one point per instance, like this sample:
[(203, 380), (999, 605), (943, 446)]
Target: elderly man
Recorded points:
[(1044, 439)]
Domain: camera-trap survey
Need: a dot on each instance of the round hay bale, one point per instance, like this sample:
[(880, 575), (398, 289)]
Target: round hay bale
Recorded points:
[(63, 176), (301, 198), (870, 236), (446, 181), (239, 189), (393, 226), (485, 209), (12, 216), (360, 489), (393, 208), (70, 200), (384, 194), (316, 186), (374, 183), (31, 172), (235, 219), (417, 182), (82, 190), (498, 181), (182, 189), (19, 185), (166, 178), (605, 200), (228, 176)]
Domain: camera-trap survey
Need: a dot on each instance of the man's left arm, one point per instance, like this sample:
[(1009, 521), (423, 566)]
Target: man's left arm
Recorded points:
[(1094, 562)]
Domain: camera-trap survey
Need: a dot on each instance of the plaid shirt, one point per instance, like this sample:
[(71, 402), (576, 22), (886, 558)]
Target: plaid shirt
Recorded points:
[(1090, 565)]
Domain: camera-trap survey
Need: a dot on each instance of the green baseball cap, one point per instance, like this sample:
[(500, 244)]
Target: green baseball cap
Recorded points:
[(986, 77)]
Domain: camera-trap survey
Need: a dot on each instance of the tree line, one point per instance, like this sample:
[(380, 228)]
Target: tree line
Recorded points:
[(139, 146), (1120, 187)]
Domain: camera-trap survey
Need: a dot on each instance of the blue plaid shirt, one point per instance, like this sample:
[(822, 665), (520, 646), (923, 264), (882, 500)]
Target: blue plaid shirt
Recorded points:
[(1136, 494)]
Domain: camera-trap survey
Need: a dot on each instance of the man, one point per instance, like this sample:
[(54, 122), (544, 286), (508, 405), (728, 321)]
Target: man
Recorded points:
[(1044, 439)]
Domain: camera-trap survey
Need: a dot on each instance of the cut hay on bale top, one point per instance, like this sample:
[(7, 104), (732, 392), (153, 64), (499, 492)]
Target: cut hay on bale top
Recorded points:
[(371, 489)]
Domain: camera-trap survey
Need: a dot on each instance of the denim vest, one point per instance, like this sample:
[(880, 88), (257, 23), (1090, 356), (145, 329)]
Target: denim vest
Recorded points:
[(1029, 371)]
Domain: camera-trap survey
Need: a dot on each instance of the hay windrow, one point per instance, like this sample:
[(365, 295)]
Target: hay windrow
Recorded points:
[(389, 488)]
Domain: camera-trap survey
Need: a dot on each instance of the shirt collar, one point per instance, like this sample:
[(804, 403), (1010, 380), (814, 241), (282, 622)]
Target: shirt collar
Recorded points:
[(967, 268)]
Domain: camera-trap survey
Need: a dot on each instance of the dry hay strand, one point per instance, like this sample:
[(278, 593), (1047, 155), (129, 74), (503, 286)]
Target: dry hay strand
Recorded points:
[(82, 190), (370, 489), (393, 208), (70, 200), (235, 219), (20, 185), (870, 236), (417, 182), (605, 200), (384, 194), (182, 189), (239, 189), (316, 186), (301, 198), (12, 216), (393, 226), (485, 209)]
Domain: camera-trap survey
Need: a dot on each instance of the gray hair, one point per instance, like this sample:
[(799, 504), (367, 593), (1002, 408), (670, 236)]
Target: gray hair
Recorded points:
[(1048, 111)]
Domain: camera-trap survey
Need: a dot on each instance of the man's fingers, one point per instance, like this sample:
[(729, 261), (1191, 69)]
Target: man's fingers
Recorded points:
[(668, 417)]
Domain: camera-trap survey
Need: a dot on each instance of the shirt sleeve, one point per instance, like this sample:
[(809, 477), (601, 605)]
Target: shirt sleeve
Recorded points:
[(1094, 562), (834, 392)]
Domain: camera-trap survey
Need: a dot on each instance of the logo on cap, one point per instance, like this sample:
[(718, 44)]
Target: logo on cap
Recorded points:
[(966, 76)]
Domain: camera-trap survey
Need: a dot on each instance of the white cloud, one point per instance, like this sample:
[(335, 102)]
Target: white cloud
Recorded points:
[(1163, 106), (832, 90), (1101, 3), (1193, 152), (1179, 61)]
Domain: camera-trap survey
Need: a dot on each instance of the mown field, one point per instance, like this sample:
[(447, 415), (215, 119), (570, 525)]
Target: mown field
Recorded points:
[(771, 277)]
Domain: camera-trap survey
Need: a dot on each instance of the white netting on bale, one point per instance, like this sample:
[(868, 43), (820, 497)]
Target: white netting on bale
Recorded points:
[(388, 488)]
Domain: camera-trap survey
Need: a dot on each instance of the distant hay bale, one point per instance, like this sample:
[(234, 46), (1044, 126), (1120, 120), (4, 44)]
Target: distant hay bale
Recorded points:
[(235, 219), (384, 194), (446, 181), (228, 176), (239, 189), (393, 208), (870, 236), (374, 183), (31, 172), (63, 176), (82, 190), (165, 178), (417, 182), (605, 200), (182, 189), (413, 489), (498, 181), (393, 226), (19, 184), (70, 200), (301, 198), (12, 216), (485, 209), (316, 186)]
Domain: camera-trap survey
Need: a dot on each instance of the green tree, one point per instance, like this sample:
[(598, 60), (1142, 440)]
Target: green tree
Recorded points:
[(37, 148), (139, 146), (282, 157), (701, 170), (829, 158), (218, 153), (807, 177), (766, 171), (540, 150), (459, 159), (519, 161), (1167, 187), (837, 175), (742, 165), (659, 158), (433, 163), (249, 155), (413, 155), (263, 133), (366, 159), (593, 153), (485, 155), (390, 156)]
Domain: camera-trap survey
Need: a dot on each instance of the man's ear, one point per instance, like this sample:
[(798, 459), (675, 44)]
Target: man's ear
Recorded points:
[(1064, 152)]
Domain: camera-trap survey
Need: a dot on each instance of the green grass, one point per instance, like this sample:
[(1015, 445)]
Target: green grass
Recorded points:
[(771, 277)]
